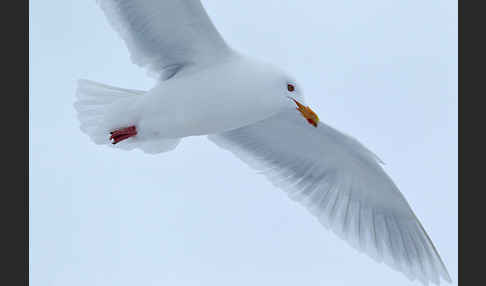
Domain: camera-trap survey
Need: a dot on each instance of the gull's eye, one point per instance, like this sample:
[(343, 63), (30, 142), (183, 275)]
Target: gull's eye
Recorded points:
[(290, 87)]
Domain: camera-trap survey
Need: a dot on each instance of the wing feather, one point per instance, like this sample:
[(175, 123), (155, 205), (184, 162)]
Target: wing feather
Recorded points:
[(165, 35), (343, 185)]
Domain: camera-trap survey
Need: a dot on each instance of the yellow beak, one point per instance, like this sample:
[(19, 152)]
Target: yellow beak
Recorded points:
[(307, 113)]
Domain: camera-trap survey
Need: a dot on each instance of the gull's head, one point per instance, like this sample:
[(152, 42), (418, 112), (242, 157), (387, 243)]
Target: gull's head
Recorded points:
[(272, 83), (288, 89)]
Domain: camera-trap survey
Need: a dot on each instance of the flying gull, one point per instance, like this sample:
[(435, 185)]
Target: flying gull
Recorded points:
[(257, 112)]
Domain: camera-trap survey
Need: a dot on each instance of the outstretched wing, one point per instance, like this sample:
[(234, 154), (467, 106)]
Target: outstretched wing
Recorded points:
[(343, 185), (165, 35)]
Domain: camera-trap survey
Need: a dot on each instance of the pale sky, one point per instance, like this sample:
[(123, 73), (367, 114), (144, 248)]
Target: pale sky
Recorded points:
[(384, 72)]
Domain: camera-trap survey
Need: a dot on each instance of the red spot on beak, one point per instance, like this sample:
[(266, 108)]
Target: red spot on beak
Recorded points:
[(122, 134), (312, 122)]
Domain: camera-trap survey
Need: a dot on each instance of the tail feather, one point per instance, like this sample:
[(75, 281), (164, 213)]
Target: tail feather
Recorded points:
[(98, 109), (94, 102)]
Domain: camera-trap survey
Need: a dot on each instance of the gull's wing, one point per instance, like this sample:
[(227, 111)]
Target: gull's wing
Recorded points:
[(343, 185), (166, 35)]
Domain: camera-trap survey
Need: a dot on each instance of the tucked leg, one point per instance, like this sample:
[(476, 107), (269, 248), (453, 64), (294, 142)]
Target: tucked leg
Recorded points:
[(122, 134)]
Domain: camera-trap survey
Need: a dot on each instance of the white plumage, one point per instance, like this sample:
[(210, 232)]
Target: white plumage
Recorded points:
[(341, 183), (249, 108), (164, 36)]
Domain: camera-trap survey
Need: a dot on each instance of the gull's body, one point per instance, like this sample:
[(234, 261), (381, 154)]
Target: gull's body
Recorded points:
[(257, 112), (207, 102)]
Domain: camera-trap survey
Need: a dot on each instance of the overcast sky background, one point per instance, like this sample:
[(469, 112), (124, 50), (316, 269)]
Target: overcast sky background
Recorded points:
[(383, 71)]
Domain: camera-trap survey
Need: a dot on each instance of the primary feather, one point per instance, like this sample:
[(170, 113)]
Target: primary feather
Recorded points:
[(343, 185)]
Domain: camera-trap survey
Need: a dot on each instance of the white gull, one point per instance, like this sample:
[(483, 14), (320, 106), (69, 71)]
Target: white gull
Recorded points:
[(258, 112)]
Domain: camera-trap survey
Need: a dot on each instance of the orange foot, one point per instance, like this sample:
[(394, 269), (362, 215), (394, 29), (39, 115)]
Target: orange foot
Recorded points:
[(122, 134)]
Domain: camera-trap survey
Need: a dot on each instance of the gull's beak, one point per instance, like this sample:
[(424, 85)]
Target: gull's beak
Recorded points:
[(307, 113)]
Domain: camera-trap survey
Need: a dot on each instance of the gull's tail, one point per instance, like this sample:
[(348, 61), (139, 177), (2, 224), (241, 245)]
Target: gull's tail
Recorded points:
[(104, 109)]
